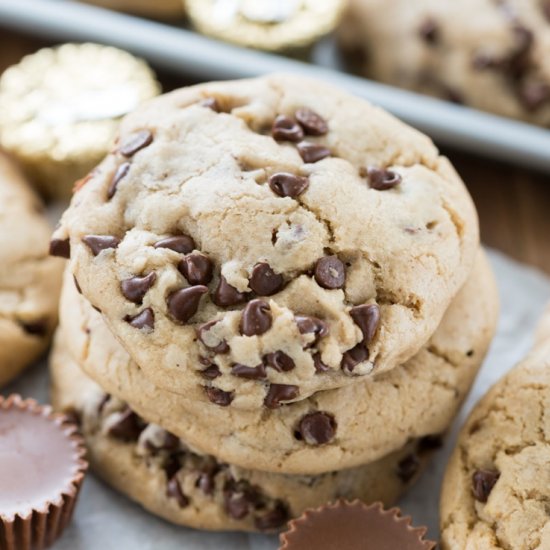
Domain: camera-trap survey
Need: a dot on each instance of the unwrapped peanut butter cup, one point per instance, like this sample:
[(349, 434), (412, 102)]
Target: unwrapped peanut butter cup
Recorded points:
[(42, 467), (354, 526)]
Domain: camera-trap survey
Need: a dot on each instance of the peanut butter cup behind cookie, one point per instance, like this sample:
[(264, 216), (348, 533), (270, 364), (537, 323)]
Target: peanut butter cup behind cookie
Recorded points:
[(42, 467)]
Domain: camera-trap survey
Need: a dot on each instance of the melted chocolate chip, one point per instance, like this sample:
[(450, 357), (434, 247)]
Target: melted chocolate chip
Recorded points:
[(382, 180), (430, 443), (170, 442), (278, 393), (35, 328), (286, 128), (211, 372), (330, 272), (173, 490), (97, 243), (196, 268), (127, 427), (264, 281), (312, 123), (312, 152), (279, 361), (172, 465), (121, 171), (256, 318), (135, 143), (219, 397), (534, 95), (143, 320), (429, 31), (211, 103), (285, 184), (202, 331), (483, 482), (274, 519), (407, 468), (251, 373), (353, 357), (320, 367), (183, 244), (367, 318), (237, 503), (312, 325), (184, 303), (317, 428), (60, 248), (135, 288), (206, 482), (226, 295)]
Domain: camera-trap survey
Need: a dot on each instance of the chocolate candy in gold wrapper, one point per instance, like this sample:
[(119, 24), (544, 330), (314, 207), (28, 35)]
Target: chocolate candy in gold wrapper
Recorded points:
[(60, 108), (158, 9), (273, 25)]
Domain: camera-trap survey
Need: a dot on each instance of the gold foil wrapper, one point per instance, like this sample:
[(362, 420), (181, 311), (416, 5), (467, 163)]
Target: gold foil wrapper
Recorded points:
[(60, 108), (157, 9), (39, 526), (272, 25)]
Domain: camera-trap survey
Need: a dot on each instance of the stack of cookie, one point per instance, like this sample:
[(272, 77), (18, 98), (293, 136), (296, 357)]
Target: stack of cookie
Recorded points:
[(275, 297)]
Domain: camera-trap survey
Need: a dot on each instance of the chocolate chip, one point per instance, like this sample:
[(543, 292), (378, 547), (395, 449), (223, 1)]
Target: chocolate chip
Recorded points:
[(534, 95), (278, 393), (184, 303), (144, 319), (429, 31), (97, 243), (206, 482), (330, 272), (382, 180), (237, 503), (317, 428), (35, 328), (286, 128), (135, 288), (127, 427), (211, 372), (172, 465), (312, 123), (407, 468), (211, 103), (121, 171), (196, 268), (169, 442), (285, 184), (219, 397), (182, 244), (320, 367), (353, 357), (220, 347), (430, 443), (256, 318), (274, 519), (312, 325), (279, 361), (173, 490), (264, 281), (135, 143), (311, 152), (483, 482), (367, 318), (226, 295), (251, 373), (60, 248)]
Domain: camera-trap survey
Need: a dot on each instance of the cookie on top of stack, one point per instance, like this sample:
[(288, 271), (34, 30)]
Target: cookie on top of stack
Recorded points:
[(269, 303)]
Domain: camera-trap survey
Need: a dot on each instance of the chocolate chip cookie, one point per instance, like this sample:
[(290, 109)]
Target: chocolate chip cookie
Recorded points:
[(172, 480), (497, 485), (488, 54), (275, 234), (335, 429), (30, 280)]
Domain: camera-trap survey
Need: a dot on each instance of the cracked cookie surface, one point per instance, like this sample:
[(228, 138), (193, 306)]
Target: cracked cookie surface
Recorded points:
[(30, 280), (176, 482), (263, 240), (334, 429), (497, 485)]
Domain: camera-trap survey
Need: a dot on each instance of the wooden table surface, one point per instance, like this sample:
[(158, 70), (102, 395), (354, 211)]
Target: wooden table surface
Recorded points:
[(513, 202)]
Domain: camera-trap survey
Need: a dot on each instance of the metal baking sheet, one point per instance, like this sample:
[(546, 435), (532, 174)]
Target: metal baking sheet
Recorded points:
[(192, 55)]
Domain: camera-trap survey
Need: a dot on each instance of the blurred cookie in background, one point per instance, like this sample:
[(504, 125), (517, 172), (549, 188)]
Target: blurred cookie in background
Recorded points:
[(159, 9), (60, 108)]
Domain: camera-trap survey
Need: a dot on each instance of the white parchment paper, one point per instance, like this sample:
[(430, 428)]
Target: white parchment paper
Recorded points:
[(105, 520)]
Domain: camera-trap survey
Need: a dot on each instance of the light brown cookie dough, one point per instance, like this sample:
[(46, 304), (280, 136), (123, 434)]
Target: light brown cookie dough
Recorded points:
[(172, 480), (210, 239), (497, 485), (488, 54), (30, 280), (330, 430)]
